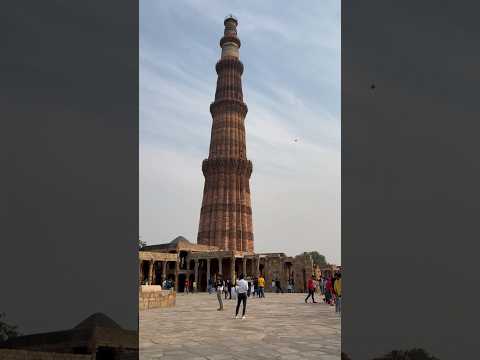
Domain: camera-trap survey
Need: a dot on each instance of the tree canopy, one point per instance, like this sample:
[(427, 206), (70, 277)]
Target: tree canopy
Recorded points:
[(7, 331), (318, 258)]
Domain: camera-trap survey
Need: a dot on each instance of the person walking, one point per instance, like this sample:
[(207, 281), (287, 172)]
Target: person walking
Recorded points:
[(328, 291), (255, 287), (311, 289), (321, 283), (261, 286), (219, 289), (278, 286), (250, 286), (185, 287), (338, 293), (242, 289), (229, 289), (225, 288)]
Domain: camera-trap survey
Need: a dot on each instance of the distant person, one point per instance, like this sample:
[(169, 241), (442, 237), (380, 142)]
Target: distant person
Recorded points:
[(186, 285), (233, 291), (255, 287), (219, 289), (311, 289), (225, 289), (338, 293), (242, 288), (289, 286), (321, 284), (261, 286), (229, 289), (209, 286), (329, 291), (194, 286), (278, 286), (249, 288)]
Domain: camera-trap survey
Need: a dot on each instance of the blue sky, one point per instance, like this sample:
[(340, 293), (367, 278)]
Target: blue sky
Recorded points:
[(291, 85)]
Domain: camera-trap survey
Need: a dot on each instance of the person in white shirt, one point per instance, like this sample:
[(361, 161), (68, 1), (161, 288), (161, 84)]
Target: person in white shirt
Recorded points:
[(242, 287)]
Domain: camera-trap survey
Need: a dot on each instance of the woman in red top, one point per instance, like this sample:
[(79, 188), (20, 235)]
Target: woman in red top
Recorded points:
[(311, 289)]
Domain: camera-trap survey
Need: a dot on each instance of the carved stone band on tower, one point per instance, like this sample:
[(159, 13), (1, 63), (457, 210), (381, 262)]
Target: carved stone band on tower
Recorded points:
[(226, 213)]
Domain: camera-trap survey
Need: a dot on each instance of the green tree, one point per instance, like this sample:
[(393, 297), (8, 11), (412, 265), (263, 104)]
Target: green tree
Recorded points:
[(7, 331), (318, 258)]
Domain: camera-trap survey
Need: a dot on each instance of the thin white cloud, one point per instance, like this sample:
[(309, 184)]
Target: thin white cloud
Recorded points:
[(292, 88)]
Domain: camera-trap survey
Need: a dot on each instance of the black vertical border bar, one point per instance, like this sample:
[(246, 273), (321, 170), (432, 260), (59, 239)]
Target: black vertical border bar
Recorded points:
[(69, 156), (410, 177)]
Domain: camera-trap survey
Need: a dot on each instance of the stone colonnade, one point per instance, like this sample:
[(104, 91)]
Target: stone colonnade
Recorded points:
[(231, 271), (153, 259)]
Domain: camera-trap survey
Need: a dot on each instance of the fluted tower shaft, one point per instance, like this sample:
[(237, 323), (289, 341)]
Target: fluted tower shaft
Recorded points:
[(226, 213)]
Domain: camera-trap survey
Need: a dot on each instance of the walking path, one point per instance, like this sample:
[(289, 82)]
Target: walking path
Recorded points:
[(280, 326)]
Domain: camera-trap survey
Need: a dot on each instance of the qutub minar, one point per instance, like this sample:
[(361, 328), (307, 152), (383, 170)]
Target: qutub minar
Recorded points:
[(225, 234), (226, 214)]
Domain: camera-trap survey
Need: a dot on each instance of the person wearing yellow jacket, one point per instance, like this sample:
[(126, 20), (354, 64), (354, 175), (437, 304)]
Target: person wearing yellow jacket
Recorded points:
[(338, 293), (261, 286)]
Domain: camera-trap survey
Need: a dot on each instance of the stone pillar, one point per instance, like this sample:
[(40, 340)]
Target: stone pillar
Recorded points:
[(197, 262), (177, 270), (253, 267), (208, 270), (164, 271), (220, 267), (245, 266), (232, 270), (150, 273), (257, 267)]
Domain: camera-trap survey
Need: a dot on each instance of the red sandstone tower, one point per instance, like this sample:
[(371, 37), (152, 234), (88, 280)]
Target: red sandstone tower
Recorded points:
[(226, 214)]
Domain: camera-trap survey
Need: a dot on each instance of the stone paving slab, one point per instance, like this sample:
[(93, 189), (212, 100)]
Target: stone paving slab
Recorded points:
[(280, 326)]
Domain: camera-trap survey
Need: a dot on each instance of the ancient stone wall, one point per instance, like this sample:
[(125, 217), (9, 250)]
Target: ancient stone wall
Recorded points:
[(9, 354), (156, 298)]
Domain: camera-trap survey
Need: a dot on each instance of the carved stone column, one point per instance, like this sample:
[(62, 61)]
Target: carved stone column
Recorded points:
[(197, 262), (177, 270), (150, 272), (220, 267), (244, 267), (208, 271), (164, 271), (257, 267), (232, 270)]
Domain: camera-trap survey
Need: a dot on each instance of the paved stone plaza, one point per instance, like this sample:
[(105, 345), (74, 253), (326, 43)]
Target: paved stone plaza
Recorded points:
[(280, 326)]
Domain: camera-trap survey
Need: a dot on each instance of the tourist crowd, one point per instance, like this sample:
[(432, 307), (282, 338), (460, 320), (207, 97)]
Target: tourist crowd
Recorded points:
[(330, 287)]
